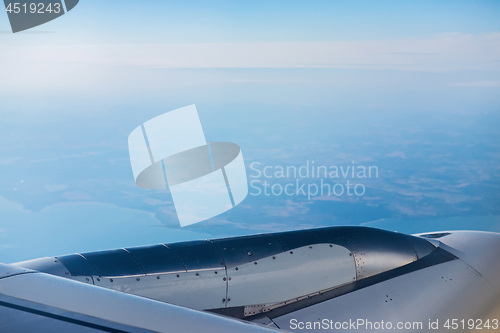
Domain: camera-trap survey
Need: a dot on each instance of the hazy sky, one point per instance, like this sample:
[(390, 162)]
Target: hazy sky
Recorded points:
[(101, 47), (410, 86)]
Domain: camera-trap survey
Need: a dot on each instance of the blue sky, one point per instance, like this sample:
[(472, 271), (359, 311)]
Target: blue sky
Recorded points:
[(412, 87)]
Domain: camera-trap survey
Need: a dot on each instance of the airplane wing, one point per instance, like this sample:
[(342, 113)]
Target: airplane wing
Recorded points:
[(336, 278)]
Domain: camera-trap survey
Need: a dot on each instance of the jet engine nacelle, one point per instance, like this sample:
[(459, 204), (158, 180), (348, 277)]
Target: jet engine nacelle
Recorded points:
[(336, 273)]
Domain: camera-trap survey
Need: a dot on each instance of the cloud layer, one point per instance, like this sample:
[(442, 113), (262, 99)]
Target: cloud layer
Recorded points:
[(445, 52)]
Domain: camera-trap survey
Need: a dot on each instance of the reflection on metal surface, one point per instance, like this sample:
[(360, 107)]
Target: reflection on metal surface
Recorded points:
[(437, 257), (374, 250), (11, 270), (182, 288), (435, 235), (421, 246), (290, 274), (297, 299)]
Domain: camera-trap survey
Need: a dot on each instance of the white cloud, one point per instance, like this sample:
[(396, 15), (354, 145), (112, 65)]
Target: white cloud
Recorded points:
[(291, 208), (55, 188), (442, 53), (8, 160), (128, 66), (399, 154), (156, 202), (85, 154), (478, 84)]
